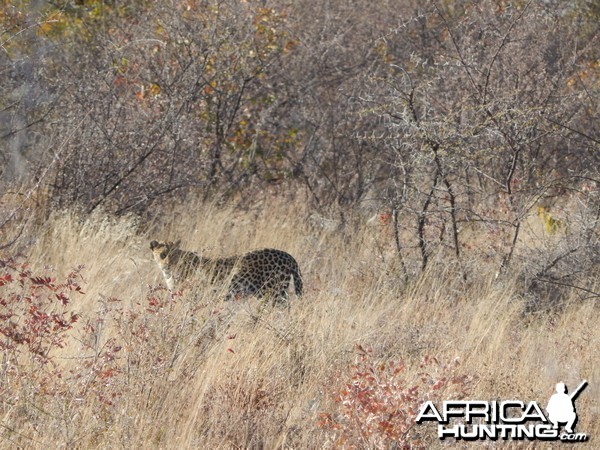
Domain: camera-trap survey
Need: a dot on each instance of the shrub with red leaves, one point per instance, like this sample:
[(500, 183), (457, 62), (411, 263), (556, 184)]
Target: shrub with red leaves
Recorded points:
[(377, 406), (33, 314)]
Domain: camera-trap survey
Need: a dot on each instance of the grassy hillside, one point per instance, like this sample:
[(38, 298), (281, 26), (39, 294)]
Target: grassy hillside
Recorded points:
[(141, 368)]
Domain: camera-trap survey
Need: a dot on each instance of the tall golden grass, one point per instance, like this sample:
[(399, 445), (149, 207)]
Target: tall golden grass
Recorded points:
[(144, 369)]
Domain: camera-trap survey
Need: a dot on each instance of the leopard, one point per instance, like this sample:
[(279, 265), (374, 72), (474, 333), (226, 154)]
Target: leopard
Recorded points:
[(262, 273)]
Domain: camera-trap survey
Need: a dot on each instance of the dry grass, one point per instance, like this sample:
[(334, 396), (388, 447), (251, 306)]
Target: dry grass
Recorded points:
[(143, 370)]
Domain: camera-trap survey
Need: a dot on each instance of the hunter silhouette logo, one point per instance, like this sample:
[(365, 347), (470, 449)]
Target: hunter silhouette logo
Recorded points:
[(561, 408), (510, 419)]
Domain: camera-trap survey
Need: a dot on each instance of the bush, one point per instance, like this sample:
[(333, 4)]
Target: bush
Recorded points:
[(34, 319), (377, 406)]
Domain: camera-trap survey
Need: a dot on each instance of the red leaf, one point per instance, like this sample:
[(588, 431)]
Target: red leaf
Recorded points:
[(41, 280), (62, 297), (438, 385), (5, 279)]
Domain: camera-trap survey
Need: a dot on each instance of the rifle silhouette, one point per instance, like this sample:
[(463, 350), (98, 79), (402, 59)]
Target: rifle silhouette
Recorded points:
[(577, 391)]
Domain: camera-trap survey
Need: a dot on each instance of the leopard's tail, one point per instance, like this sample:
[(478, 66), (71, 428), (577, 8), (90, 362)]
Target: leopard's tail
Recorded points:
[(298, 286)]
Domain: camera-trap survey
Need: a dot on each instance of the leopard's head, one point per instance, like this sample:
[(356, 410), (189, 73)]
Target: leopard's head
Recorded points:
[(162, 250)]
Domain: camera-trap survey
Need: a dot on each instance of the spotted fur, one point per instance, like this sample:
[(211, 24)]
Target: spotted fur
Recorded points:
[(263, 272)]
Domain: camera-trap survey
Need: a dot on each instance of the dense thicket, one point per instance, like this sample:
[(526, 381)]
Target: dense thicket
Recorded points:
[(451, 118)]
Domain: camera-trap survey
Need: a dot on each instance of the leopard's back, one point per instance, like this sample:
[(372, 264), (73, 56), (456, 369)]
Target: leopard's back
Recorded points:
[(219, 269)]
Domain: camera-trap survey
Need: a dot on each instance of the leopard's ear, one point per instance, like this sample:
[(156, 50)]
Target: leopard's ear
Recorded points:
[(153, 245), (176, 243)]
